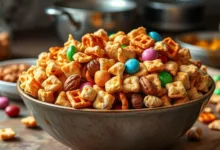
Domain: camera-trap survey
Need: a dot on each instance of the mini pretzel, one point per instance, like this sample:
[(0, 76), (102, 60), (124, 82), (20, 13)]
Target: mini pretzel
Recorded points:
[(176, 89), (135, 32), (91, 40), (96, 51), (117, 69), (171, 67), (102, 34), (207, 117), (103, 100), (124, 101), (154, 65), (114, 85), (105, 64), (194, 94), (76, 101), (46, 96), (62, 100), (135, 49), (142, 41), (71, 68), (82, 57), (131, 84), (172, 48), (124, 54), (52, 83), (184, 78)]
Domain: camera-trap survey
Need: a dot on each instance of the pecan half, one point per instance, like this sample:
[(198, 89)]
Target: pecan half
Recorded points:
[(137, 101), (72, 82), (93, 66), (147, 86)]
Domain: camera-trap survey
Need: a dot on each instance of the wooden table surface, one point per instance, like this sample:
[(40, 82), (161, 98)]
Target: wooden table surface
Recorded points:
[(37, 139)]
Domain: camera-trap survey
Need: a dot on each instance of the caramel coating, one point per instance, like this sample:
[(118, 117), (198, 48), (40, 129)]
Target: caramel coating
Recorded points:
[(101, 77)]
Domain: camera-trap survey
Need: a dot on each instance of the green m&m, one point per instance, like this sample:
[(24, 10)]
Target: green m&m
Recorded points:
[(165, 78), (217, 91), (123, 46), (70, 52), (216, 78)]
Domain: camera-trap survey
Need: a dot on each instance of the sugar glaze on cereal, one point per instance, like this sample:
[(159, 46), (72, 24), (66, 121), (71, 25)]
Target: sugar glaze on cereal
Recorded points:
[(122, 71)]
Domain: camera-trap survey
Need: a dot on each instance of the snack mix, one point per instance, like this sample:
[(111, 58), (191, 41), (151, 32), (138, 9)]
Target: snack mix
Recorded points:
[(120, 71)]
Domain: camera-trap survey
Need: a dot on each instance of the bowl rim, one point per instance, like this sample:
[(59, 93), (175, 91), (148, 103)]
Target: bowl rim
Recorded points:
[(14, 61), (197, 48), (21, 92)]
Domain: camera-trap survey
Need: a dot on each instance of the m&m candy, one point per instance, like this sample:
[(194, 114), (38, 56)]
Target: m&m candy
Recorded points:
[(216, 78), (154, 35), (70, 52), (149, 54), (4, 102), (12, 110), (217, 91), (132, 66), (165, 78)]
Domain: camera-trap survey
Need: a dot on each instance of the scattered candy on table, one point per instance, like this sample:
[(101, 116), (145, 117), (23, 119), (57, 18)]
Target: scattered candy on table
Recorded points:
[(29, 122), (4, 102), (12, 110), (7, 134), (217, 91)]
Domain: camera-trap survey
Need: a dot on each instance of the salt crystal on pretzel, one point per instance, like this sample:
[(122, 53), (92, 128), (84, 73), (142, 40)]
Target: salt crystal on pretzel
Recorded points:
[(203, 83), (112, 50), (131, 84), (82, 57), (124, 54), (172, 48), (102, 34), (142, 41), (96, 51), (176, 89), (71, 68), (135, 32), (52, 83), (105, 64), (62, 100), (76, 101), (91, 40), (172, 67), (117, 69), (184, 78), (193, 94), (154, 65), (103, 100), (46, 96), (88, 93), (114, 85)]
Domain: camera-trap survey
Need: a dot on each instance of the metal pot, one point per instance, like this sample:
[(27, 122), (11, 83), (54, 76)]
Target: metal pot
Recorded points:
[(80, 17), (174, 15)]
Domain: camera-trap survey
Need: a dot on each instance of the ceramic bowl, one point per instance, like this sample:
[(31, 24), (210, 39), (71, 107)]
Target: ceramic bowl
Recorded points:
[(141, 129), (8, 89)]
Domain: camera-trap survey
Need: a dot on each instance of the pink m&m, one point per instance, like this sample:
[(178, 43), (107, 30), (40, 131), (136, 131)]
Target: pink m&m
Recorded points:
[(85, 84), (4, 102), (149, 54)]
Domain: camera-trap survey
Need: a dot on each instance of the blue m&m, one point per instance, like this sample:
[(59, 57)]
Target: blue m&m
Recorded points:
[(132, 66), (154, 35)]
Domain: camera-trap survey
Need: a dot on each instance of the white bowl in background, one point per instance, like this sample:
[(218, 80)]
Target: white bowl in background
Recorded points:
[(8, 89)]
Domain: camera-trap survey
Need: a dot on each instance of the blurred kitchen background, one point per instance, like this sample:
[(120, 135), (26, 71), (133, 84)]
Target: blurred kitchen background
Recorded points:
[(26, 30)]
